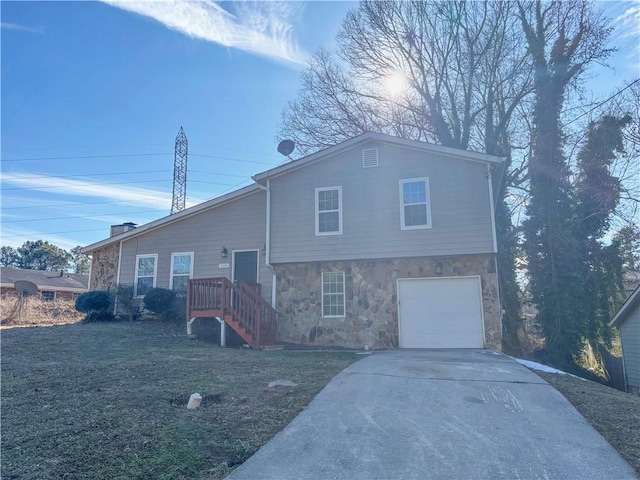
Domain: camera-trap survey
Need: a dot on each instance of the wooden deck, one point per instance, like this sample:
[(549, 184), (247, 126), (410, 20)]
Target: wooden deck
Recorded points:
[(239, 306)]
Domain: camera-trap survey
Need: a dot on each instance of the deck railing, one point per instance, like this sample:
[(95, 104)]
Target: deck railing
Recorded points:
[(240, 306)]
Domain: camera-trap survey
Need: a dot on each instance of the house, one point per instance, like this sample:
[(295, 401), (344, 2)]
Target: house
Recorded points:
[(377, 241), (627, 320), (51, 285)]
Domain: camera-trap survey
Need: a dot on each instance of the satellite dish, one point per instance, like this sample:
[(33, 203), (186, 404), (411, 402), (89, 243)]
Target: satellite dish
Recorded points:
[(25, 287), (285, 147)]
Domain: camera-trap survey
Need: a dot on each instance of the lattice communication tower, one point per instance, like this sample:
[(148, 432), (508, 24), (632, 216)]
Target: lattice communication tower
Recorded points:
[(180, 173)]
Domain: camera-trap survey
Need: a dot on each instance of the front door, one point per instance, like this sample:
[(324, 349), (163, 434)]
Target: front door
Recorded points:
[(245, 266)]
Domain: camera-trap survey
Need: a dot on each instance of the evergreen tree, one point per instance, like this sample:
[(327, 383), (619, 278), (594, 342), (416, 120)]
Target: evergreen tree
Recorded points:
[(597, 193), (563, 39)]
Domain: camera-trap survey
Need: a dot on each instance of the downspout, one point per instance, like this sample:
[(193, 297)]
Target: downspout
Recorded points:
[(267, 241), (115, 303)]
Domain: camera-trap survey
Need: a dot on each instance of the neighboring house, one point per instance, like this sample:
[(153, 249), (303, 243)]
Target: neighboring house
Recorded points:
[(51, 285), (628, 322), (377, 241)]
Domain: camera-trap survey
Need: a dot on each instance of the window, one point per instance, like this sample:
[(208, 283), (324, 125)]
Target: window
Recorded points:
[(333, 294), (48, 296), (329, 211), (146, 267), (414, 204), (181, 270)]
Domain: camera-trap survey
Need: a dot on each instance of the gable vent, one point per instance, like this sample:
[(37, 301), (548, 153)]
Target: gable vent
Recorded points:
[(370, 158)]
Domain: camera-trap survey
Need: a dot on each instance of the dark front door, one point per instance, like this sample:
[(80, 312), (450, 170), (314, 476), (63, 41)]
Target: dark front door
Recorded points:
[(245, 267)]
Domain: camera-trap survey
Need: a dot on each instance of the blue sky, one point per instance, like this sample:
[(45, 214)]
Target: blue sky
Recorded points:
[(93, 95)]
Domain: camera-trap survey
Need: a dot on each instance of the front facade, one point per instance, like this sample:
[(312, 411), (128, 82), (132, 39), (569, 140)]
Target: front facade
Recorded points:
[(627, 320), (377, 242)]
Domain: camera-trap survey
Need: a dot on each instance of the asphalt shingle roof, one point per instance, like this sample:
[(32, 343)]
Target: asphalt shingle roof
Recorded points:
[(44, 279)]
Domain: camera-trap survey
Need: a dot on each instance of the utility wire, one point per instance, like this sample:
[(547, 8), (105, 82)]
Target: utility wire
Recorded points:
[(56, 233), (598, 105), (87, 217), (68, 204), (80, 157), (95, 184)]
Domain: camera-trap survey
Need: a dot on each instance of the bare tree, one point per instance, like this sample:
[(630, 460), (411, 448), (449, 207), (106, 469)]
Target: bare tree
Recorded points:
[(563, 39)]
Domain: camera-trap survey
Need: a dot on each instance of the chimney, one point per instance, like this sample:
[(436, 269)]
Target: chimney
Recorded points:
[(122, 228)]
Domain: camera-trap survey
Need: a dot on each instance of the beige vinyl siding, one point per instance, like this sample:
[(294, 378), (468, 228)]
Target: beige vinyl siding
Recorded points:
[(238, 225), (630, 335), (459, 205)]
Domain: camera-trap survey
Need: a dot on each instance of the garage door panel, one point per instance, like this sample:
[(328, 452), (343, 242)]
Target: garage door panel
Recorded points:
[(440, 313)]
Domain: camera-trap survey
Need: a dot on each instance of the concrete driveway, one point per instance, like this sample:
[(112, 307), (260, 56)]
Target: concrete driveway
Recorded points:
[(446, 414)]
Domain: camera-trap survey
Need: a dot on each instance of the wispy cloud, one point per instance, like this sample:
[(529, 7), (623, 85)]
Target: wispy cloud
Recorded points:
[(627, 28), (16, 236), (92, 189), (263, 28), (20, 28)]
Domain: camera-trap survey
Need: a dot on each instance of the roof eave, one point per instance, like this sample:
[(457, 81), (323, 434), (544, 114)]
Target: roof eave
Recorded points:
[(621, 315), (379, 137), (213, 203)]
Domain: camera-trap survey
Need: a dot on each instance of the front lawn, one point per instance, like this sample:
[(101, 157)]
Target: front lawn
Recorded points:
[(89, 401)]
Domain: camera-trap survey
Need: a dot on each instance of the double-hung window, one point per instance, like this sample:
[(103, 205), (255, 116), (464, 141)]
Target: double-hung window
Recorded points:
[(181, 270), (414, 204), (333, 294), (329, 211), (48, 296), (146, 268)]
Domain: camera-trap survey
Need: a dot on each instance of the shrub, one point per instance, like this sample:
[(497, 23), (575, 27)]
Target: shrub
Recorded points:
[(160, 301), (93, 301), (126, 309)]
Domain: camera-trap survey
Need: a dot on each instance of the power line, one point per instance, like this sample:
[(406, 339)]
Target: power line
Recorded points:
[(84, 148), (68, 204), (81, 157), (598, 105), (233, 159), (56, 233), (88, 217), (85, 185), (112, 183), (38, 175)]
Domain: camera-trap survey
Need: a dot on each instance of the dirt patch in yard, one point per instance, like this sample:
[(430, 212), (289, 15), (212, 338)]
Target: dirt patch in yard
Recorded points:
[(109, 401), (615, 414)]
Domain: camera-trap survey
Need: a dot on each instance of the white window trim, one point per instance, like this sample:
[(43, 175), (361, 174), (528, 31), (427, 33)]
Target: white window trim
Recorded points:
[(324, 189), (155, 272), (344, 297), (402, 205), (171, 274)]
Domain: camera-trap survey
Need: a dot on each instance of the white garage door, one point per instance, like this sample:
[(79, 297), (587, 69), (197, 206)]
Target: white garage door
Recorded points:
[(440, 313)]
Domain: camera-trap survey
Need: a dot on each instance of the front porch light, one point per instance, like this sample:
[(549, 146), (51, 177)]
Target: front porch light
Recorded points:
[(223, 253)]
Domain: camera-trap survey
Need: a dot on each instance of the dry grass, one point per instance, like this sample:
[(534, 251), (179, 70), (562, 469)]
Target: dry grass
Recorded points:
[(90, 401), (35, 312), (615, 414)]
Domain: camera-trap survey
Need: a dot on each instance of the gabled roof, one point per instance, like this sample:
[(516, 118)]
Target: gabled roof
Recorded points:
[(45, 280), (308, 160), (625, 310), (216, 202), (381, 138)]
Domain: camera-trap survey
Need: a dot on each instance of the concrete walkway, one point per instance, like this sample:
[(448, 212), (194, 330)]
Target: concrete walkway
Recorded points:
[(444, 414)]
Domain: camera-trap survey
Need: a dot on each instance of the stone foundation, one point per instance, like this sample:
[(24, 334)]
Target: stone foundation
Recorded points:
[(104, 267), (371, 314)]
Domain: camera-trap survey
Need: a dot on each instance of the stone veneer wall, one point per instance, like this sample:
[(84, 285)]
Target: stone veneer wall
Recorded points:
[(371, 302), (104, 267)]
